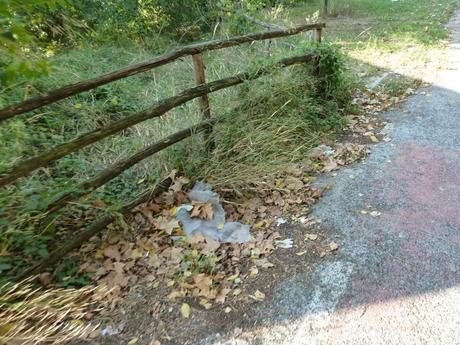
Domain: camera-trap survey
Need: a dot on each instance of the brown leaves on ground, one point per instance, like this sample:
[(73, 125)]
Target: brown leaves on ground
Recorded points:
[(196, 266), (202, 210), (327, 159), (157, 251)]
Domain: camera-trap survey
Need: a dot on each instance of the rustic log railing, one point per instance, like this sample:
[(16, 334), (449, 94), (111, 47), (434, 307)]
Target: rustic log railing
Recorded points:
[(73, 89), (201, 91)]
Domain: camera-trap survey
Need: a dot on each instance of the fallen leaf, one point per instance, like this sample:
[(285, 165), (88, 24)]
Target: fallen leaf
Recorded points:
[(222, 295), (195, 238), (311, 237), (168, 225), (253, 271), (203, 283), (179, 183), (293, 183), (202, 210), (330, 166), (374, 139), (136, 254), (185, 310), (132, 341), (258, 296), (211, 245), (174, 294), (333, 246), (118, 279), (112, 252), (236, 292), (264, 263), (205, 303)]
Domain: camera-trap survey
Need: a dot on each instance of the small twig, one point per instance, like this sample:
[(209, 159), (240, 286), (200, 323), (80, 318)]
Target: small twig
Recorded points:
[(363, 32)]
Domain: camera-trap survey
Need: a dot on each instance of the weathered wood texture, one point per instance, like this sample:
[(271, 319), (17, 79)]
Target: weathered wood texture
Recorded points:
[(200, 79), (93, 229), (28, 165), (119, 167), (73, 89), (318, 35)]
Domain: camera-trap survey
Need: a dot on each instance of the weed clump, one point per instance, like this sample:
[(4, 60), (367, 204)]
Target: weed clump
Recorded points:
[(278, 119)]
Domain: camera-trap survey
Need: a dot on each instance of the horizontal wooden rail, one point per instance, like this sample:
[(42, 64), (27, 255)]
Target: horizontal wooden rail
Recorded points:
[(26, 166), (118, 167), (73, 89), (93, 229)]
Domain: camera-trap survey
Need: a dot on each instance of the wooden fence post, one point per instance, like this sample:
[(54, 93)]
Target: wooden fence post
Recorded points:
[(325, 8), (200, 78), (317, 35)]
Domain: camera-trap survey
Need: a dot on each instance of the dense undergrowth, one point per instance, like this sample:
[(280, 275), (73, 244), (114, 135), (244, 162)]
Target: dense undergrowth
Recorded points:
[(264, 124)]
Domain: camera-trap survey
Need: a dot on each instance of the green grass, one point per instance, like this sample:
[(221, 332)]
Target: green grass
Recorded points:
[(402, 36)]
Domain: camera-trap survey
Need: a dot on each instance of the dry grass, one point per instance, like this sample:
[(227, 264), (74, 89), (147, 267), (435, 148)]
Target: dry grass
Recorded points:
[(31, 315)]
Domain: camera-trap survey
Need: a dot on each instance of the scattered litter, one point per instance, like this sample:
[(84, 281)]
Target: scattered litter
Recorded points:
[(214, 226), (321, 150), (227, 310), (375, 213), (301, 253), (364, 212), (110, 330), (286, 244), (280, 221)]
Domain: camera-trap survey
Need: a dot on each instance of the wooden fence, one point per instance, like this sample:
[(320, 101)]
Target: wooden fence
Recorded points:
[(201, 91)]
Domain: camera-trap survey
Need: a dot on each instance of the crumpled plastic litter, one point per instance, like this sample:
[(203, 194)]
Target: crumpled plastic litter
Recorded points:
[(111, 330), (280, 221), (286, 244), (322, 150), (216, 228)]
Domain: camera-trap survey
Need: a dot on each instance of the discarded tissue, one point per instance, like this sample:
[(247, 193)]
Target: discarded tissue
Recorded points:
[(215, 228)]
